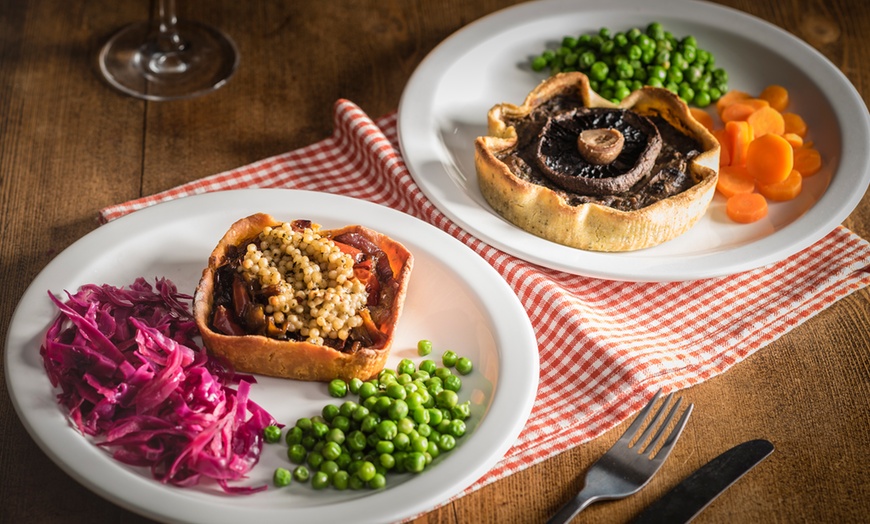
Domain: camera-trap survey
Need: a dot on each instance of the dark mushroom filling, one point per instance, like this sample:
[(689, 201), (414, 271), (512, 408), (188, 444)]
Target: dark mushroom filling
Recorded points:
[(652, 164)]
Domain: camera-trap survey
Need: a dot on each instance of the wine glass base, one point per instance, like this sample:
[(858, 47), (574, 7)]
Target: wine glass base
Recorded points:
[(134, 62)]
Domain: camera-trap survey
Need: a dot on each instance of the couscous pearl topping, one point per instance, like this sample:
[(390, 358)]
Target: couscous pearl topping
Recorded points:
[(317, 295)]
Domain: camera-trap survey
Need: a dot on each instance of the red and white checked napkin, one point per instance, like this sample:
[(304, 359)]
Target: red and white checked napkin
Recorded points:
[(605, 346)]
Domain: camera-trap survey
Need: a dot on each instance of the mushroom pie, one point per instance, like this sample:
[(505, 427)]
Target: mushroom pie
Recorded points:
[(292, 300), (571, 167)]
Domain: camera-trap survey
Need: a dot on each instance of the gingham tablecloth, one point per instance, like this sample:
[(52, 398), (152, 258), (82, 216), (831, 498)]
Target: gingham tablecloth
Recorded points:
[(605, 346)]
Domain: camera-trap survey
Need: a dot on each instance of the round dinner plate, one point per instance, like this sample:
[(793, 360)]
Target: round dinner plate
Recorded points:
[(444, 106), (455, 299)]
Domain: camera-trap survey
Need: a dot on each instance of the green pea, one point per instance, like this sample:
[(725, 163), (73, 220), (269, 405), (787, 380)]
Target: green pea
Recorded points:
[(330, 467), (415, 462), (598, 71), (539, 63), (655, 31), (304, 424), (428, 365), (702, 99), (398, 410), (337, 388), (354, 385), (341, 422), (406, 366), (329, 412), (457, 428), (461, 411), (319, 429), (369, 423), (366, 471), (387, 461), (272, 434), (453, 383), (282, 477), (320, 480), (355, 483), (401, 441), (347, 408), (293, 436), (331, 451), (396, 391), (366, 390), (356, 441), (464, 365), (446, 442), (448, 359), (340, 480), (387, 429), (377, 482), (301, 473), (585, 60), (435, 416), (446, 399), (297, 453)]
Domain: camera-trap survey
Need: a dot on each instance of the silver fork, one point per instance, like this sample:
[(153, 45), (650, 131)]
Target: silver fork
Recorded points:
[(628, 465)]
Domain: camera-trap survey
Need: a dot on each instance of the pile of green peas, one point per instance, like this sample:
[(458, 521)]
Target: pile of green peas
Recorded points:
[(400, 422), (619, 63)]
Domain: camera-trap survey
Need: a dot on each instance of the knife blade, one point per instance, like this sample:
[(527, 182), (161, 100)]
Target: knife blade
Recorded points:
[(686, 500)]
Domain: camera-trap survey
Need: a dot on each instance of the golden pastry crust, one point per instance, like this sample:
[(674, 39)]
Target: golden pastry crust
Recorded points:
[(592, 226), (297, 359)]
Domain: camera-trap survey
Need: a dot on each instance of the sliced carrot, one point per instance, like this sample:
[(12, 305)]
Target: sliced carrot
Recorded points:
[(729, 98), (738, 111), (724, 148), (769, 159), (746, 207), (766, 120), (703, 117), (776, 95), (807, 161), (733, 180), (794, 139), (785, 190), (738, 135), (794, 124)]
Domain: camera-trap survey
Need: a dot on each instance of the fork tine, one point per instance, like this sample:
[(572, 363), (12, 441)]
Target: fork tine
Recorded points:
[(664, 425), (639, 418), (654, 422), (675, 434)]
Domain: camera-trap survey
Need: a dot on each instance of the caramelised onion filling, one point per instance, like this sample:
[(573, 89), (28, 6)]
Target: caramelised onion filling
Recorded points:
[(292, 283)]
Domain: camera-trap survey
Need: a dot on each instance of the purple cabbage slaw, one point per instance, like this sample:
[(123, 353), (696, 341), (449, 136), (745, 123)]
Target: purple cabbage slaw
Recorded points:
[(132, 376)]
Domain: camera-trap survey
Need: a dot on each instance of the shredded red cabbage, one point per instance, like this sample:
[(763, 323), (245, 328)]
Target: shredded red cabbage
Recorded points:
[(132, 375)]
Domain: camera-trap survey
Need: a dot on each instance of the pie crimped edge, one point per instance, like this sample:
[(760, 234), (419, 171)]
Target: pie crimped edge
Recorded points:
[(298, 359), (591, 226)]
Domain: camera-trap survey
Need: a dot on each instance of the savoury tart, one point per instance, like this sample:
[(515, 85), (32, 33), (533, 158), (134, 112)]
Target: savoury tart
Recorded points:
[(290, 300), (572, 167)]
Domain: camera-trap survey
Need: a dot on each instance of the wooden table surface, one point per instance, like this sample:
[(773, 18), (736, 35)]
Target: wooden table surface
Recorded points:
[(70, 145)]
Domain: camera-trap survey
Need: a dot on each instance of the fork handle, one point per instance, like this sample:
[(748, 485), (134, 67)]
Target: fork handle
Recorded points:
[(573, 507)]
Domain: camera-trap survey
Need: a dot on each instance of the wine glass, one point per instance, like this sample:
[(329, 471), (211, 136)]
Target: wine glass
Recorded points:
[(168, 59)]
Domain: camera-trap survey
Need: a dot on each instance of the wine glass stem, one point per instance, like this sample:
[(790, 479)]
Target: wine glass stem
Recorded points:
[(167, 30)]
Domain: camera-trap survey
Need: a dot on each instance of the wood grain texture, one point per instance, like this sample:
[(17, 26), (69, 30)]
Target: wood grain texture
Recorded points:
[(69, 146)]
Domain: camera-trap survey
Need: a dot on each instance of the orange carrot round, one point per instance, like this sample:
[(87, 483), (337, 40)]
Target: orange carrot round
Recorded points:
[(738, 134), (794, 139), (703, 117), (785, 190), (766, 120), (794, 124), (746, 207), (724, 147), (776, 95), (807, 161), (769, 159), (729, 98), (734, 180)]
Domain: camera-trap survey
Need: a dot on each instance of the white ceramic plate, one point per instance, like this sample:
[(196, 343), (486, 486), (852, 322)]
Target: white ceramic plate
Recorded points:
[(454, 299), (444, 106)]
